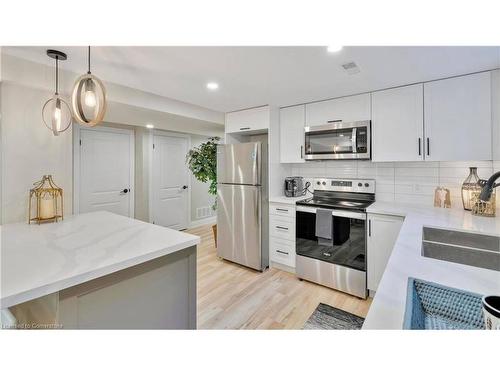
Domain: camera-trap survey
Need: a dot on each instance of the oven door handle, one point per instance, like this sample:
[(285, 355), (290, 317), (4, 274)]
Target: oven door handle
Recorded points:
[(340, 213)]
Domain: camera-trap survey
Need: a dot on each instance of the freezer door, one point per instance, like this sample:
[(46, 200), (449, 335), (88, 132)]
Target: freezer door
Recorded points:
[(239, 229), (239, 163)]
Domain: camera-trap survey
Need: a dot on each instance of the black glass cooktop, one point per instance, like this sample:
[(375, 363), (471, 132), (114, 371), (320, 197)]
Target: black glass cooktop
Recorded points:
[(335, 203)]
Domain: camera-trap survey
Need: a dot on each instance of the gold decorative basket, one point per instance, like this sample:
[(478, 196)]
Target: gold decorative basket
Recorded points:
[(480, 208)]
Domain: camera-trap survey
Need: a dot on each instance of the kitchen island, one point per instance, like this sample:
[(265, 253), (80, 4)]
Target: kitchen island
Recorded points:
[(388, 306), (98, 271)]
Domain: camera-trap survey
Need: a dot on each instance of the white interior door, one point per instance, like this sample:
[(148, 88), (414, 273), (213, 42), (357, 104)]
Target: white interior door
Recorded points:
[(106, 171), (170, 204)]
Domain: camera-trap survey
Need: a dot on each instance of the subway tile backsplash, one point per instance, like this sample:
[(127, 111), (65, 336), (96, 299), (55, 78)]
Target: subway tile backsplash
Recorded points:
[(408, 182)]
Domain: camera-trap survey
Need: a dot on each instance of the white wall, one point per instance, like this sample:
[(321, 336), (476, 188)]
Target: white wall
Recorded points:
[(29, 151)]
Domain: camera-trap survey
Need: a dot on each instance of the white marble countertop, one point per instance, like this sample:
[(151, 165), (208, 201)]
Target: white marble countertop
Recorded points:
[(388, 306), (37, 260)]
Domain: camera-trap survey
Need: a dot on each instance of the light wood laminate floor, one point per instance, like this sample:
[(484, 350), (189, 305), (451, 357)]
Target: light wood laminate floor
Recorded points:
[(234, 297)]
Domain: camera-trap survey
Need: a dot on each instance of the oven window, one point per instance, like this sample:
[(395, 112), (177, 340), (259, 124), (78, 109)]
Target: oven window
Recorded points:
[(337, 141), (348, 247)]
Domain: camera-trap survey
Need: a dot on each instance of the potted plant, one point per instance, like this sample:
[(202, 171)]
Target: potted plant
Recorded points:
[(202, 162)]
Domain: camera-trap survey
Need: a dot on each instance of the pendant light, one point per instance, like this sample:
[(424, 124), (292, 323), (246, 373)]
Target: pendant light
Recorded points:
[(56, 113), (88, 100)]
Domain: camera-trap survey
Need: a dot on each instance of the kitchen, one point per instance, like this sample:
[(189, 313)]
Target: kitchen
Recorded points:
[(310, 194), (292, 188)]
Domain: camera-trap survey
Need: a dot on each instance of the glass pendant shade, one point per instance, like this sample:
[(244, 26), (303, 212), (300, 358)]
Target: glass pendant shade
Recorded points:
[(470, 189), (56, 113), (88, 100)]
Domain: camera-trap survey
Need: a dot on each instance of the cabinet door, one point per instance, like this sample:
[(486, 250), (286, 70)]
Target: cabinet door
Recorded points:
[(457, 118), (248, 120), (398, 124), (347, 109), (383, 231), (292, 134)]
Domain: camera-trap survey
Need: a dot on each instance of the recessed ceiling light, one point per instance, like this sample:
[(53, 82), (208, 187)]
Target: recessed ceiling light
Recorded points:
[(333, 49), (150, 126), (212, 85)]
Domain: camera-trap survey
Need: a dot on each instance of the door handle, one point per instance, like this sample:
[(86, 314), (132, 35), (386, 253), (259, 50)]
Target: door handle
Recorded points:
[(184, 187), (125, 191)]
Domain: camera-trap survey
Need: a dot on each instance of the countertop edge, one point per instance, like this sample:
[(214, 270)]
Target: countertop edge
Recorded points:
[(40, 291)]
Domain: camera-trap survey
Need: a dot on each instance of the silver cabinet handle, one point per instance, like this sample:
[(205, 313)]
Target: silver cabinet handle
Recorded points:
[(419, 146), (428, 147), (279, 227), (282, 252), (246, 128), (282, 209)]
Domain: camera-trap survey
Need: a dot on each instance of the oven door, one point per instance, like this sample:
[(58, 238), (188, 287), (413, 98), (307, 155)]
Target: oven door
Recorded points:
[(348, 247), (342, 265), (337, 140)]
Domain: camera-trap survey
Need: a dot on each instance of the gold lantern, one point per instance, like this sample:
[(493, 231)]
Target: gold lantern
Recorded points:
[(46, 201)]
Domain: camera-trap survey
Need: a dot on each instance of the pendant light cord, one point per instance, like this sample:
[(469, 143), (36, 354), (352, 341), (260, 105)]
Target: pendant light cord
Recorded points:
[(57, 75), (89, 61)]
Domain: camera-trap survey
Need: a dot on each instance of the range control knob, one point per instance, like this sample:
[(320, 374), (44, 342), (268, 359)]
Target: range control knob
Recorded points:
[(324, 183), (360, 184), (318, 183), (367, 184)]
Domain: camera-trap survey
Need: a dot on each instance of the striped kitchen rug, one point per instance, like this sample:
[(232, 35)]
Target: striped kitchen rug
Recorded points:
[(328, 317)]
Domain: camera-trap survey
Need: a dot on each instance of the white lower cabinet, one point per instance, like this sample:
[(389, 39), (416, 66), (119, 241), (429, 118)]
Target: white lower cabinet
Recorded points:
[(282, 234), (383, 231)]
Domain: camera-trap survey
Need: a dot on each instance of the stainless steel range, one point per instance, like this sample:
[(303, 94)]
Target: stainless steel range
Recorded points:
[(331, 234)]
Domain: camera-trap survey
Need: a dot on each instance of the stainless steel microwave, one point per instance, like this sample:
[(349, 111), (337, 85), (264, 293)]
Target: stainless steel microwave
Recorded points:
[(338, 140)]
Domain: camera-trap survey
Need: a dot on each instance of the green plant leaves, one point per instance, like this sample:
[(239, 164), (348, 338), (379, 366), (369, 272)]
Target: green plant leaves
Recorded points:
[(202, 162)]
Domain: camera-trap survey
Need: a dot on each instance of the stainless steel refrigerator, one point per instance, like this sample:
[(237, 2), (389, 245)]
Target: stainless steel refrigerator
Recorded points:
[(242, 204)]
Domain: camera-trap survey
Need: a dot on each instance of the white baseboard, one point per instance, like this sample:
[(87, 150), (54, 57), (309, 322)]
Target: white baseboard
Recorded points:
[(198, 223)]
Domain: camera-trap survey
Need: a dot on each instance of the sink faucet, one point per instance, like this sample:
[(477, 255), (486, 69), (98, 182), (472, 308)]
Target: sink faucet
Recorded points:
[(488, 187)]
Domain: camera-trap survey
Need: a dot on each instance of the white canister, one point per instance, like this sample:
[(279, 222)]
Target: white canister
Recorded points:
[(491, 310)]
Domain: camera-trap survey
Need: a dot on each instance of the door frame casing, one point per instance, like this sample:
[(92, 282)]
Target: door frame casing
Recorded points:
[(77, 161), (165, 133)]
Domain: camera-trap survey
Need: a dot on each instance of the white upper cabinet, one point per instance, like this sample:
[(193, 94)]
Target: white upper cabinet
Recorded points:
[(248, 120), (398, 124), (292, 134), (457, 118), (346, 109)]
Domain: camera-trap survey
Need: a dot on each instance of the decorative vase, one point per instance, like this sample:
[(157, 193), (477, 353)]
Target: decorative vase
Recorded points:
[(470, 189)]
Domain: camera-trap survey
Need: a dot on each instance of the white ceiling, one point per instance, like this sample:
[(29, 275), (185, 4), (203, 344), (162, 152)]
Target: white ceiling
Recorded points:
[(253, 76)]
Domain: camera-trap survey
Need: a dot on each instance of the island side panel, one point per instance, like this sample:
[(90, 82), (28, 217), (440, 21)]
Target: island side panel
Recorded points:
[(157, 294)]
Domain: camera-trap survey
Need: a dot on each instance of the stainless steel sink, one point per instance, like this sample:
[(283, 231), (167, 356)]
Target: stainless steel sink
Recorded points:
[(473, 249)]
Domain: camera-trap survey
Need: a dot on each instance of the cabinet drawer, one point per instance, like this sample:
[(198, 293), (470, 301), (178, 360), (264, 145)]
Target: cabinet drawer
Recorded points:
[(282, 210), (282, 251), (282, 227)]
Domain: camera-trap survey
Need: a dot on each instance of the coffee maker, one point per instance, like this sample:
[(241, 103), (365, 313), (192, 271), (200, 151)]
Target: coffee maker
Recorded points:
[(294, 186)]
